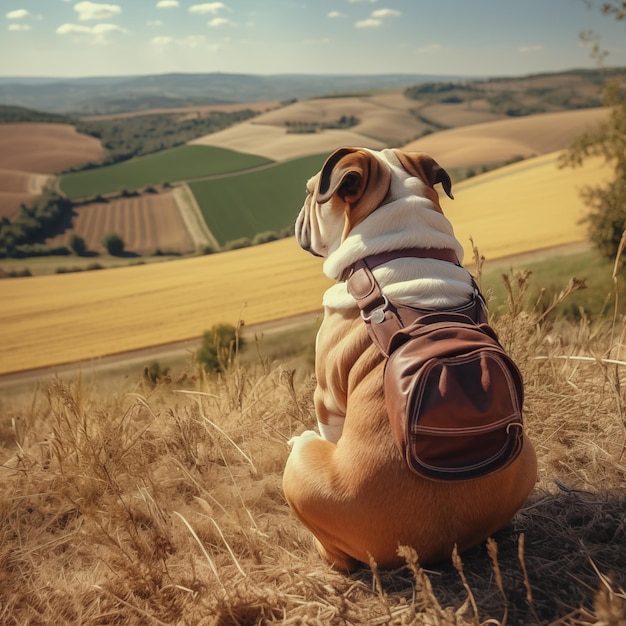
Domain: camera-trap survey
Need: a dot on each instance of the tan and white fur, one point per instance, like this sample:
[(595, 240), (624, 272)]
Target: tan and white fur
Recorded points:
[(350, 486)]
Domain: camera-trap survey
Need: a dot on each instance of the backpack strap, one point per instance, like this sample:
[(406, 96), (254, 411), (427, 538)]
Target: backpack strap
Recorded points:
[(384, 318)]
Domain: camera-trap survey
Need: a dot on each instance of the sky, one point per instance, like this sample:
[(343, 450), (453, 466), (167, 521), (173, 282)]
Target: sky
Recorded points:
[(69, 38)]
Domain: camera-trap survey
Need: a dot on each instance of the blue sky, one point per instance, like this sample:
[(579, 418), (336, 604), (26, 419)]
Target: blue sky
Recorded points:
[(457, 37)]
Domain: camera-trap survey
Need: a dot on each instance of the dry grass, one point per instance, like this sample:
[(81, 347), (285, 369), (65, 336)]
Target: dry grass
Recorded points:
[(164, 505)]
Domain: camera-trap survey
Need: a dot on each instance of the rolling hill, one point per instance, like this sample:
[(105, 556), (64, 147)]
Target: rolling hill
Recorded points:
[(48, 320)]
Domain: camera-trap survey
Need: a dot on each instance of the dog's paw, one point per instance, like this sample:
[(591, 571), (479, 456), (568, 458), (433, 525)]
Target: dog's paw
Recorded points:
[(307, 434)]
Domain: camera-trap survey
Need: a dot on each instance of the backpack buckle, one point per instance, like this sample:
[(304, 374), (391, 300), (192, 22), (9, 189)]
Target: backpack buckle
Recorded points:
[(377, 316)]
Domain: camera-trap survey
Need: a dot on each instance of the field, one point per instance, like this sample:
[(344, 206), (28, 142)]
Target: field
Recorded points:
[(89, 314), (184, 163), (532, 205), (499, 141), (146, 223), (273, 142), (472, 144), (247, 204), (31, 151), (47, 320)]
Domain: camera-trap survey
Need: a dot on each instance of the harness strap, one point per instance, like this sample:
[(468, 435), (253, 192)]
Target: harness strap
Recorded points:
[(385, 318)]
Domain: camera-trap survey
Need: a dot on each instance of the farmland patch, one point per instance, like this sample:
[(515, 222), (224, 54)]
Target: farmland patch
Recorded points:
[(45, 148), (145, 223), (274, 142), (183, 163), (502, 140), (247, 204)]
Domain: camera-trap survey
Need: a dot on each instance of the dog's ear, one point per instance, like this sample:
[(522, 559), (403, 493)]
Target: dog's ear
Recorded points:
[(358, 178), (347, 172), (426, 168)]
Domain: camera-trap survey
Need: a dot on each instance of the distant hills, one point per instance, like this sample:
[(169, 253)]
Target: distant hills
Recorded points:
[(106, 95)]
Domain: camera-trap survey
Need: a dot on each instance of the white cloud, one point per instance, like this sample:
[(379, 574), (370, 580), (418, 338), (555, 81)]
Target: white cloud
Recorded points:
[(217, 22), (97, 34), (369, 23), (18, 14), (167, 4), (154, 23), (429, 48), (162, 41), (93, 11), (16, 27), (354, 1), (191, 42), (208, 7), (381, 14), (335, 14), (533, 48)]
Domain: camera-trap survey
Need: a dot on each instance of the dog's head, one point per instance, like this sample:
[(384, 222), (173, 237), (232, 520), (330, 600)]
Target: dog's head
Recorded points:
[(353, 183)]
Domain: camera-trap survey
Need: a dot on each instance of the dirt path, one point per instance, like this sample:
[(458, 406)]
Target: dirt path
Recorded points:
[(181, 348), (192, 216)]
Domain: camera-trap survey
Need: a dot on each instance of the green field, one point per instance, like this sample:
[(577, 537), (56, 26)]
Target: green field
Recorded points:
[(247, 204), (183, 163)]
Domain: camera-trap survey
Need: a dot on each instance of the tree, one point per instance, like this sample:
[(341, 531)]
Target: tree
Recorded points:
[(77, 244), (606, 221), (220, 344), (114, 244)]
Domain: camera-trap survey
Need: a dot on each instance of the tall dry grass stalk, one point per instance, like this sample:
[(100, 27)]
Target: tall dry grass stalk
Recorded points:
[(163, 505)]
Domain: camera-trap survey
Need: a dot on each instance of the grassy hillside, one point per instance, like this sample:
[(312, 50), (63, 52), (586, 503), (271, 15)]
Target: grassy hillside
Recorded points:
[(164, 505), (247, 204), (183, 163)]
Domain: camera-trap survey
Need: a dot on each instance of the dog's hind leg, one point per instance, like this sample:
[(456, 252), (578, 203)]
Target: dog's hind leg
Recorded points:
[(338, 559)]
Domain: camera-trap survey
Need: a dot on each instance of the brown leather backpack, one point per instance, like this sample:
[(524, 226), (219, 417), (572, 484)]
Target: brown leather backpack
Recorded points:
[(454, 397)]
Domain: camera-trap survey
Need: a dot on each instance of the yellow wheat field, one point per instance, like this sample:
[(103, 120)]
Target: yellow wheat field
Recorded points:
[(49, 320), (523, 207)]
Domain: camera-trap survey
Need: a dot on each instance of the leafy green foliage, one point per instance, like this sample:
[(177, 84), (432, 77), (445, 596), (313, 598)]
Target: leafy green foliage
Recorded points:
[(606, 221), (43, 218), (345, 121), (128, 137), (220, 344), (114, 244), (77, 244), (11, 114), (516, 97)]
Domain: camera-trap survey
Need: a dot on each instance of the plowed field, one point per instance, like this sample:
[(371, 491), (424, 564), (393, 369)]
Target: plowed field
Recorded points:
[(45, 148), (30, 151), (145, 223)]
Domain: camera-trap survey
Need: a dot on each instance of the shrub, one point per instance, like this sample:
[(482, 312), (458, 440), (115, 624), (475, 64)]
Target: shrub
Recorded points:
[(77, 244), (264, 237), (236, 244), (114, 244), (220, 344)]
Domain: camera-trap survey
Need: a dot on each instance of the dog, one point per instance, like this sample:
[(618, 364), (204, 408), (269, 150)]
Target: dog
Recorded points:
[(349, 484)]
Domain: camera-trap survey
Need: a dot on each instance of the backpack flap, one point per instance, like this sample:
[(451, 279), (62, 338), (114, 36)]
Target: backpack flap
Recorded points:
[(454, 399)]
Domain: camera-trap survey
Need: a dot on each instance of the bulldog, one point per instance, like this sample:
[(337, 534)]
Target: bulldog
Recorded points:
[(349, 484)]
